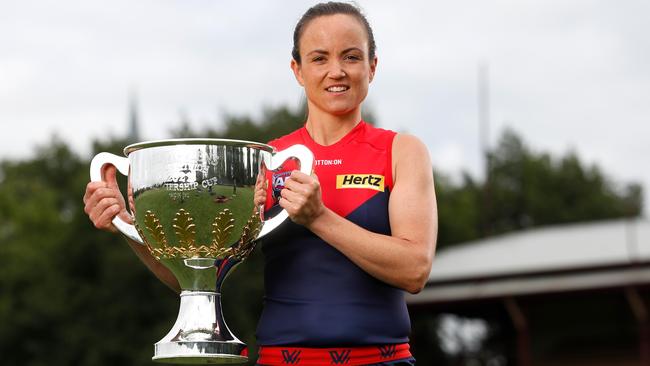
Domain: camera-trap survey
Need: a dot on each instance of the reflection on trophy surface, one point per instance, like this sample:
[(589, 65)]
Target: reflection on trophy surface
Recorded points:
[(193, 208)]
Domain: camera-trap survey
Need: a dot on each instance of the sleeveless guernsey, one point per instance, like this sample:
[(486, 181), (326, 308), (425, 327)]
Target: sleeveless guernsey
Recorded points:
[(314, 295)]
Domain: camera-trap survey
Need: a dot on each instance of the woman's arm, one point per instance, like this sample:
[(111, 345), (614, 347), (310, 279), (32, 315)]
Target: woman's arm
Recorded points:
[(402, 259), (102, 202)]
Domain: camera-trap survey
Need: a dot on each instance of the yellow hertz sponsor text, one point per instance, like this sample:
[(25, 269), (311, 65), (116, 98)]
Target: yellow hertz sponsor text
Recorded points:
[(369, 181)]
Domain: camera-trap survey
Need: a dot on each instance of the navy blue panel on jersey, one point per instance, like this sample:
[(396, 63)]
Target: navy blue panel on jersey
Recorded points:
[(316, 297)]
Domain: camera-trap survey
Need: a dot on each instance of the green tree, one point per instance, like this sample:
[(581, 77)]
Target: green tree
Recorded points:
[(70, 294), (275, 122), (532, 189), (458, 209), (525, 189)]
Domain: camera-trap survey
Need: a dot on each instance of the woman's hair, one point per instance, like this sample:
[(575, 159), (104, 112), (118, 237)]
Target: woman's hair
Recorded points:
[(331, 8)]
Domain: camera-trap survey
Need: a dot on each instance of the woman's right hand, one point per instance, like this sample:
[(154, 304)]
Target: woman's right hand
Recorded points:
[(103, 201)]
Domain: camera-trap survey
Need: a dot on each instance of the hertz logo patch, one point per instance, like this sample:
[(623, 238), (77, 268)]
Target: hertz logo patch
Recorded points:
[(368, 181)]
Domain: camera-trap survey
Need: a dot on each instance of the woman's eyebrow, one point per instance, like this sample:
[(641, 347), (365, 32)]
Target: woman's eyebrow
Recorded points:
[(351, 49), (318, 51)]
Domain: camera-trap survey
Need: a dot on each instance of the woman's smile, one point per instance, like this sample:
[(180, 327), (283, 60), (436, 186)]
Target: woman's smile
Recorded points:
[(337, 89)]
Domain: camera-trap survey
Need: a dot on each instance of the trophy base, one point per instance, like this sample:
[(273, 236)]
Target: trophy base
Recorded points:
[(199, 353), (200, 335), (203, 361)]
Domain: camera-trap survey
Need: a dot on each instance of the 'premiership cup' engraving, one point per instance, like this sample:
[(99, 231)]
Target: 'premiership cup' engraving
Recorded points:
[(181, 186), (207, 183)]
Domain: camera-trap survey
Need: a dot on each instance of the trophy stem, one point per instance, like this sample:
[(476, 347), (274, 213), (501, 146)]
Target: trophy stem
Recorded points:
[(200, 334)]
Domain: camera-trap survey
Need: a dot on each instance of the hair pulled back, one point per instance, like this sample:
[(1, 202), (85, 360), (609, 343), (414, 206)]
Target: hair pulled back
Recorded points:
[(330, 8)]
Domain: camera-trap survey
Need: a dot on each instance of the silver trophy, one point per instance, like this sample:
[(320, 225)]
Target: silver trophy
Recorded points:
[(192, 204)]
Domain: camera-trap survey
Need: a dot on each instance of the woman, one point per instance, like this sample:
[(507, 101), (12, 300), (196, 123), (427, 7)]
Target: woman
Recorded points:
[(362, 228)]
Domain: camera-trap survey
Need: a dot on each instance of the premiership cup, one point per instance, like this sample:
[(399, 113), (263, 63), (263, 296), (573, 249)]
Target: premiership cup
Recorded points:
[(192, 207)]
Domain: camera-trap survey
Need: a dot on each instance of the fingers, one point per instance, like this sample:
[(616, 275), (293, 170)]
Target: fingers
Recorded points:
[(292, 198), (301, 210), (261, 182), (302, 183), (95, 194), (110, 175), (260, 197), (91, 188), (292, 207), (301, 177), (102, 215), (102, 203), (301, 197), (125, 216)]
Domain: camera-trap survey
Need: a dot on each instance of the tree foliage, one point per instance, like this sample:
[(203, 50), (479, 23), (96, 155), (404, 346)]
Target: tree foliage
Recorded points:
[(73, 295), (275, 122), (525, 189), (66, 289)]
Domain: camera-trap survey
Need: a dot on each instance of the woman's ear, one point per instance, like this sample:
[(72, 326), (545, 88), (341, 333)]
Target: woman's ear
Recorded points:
[(373, 68), (297, 72)]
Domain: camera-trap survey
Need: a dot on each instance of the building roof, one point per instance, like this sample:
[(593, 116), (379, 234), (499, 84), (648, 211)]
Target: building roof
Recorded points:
[(558, 258)]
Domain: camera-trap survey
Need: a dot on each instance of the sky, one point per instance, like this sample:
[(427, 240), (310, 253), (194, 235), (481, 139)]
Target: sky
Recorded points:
[(565, 75)]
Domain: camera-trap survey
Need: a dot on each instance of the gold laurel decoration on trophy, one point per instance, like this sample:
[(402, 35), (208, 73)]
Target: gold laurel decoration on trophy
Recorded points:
[(249, 233), (152, 224), (221, 231), (185, 230), (152, 251)]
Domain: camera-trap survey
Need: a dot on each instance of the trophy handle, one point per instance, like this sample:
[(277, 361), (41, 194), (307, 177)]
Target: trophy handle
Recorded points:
[(122, 165), (306, 159)]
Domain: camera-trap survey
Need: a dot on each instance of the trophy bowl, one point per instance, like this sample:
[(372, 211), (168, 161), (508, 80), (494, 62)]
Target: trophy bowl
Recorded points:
[(192, 206)]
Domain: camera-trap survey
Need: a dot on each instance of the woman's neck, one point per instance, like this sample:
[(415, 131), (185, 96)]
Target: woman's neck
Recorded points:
[(327, 129)]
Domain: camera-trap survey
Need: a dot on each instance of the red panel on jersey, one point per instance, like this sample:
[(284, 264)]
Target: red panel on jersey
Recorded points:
[(350, 171)]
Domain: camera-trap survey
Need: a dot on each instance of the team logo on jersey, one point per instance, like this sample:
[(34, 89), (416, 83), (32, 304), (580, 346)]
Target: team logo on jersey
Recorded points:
[(367, 181), (291, 358), (340, 357), (278, 183), (388, 350)]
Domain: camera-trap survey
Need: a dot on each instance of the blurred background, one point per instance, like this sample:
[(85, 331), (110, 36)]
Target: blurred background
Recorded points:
[(535, 114)]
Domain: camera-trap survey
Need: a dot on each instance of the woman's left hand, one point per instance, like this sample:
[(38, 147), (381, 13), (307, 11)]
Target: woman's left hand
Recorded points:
[(301, 197)]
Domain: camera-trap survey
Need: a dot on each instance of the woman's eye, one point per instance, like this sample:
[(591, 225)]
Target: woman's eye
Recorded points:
[(352, 57), (318, 59)]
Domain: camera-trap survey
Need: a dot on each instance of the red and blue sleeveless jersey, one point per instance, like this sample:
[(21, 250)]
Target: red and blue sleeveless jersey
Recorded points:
[(314, 295)]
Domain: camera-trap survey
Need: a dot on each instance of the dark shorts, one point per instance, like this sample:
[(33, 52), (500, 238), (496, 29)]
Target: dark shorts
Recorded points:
[(403, 362)]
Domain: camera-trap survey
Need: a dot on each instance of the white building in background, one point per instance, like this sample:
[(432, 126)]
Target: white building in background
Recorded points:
[(552, 283)]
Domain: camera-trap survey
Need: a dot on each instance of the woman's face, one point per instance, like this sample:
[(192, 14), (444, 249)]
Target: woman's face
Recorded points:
[(334, 70)]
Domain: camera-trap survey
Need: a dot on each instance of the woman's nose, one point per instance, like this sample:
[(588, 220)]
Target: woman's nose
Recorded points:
[(336, 71)]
